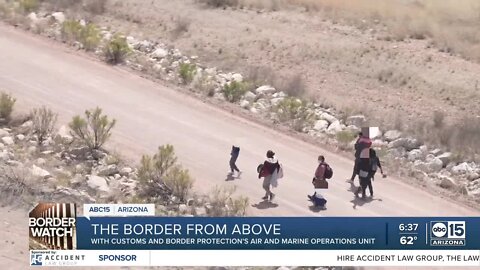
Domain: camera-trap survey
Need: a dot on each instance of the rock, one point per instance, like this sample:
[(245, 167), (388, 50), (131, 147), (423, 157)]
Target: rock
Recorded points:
[(397, 152), (33, 19), (356, 120), (265, 90), (472, 176), (321, 125), (40, 161), (20, 137), (2, 146), (249, 96), (160, 53), (108, 170), (424, 149), (253, 110), (59, 17), (415, 154), (326, 116), (98, 183), (334, 128), (244, 104), (201, 211), (379, 143), (392, 135), (280, 94), (353, 129), (144, 46), (8, 140), (64, 133), (435, 165), (447, 182), (3, 132), (276, 101), (445, 158), (237, 77), (461, 168), (37, 171), (408, 143), (436, 152), (5, 155), (32, 149), (183, 208), (126, 171)]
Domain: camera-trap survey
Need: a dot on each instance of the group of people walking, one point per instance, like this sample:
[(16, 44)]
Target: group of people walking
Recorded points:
[(366, 165)]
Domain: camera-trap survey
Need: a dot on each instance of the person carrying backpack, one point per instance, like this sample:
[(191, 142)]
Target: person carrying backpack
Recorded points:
[(233, 159), (269, 170), (322, 173), (362, 145)]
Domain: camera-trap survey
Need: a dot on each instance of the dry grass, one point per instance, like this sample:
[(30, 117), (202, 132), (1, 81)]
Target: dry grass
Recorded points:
[(452, 25)]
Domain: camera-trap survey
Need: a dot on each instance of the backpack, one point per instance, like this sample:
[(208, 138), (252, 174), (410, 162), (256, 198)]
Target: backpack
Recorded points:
[(328, 171)]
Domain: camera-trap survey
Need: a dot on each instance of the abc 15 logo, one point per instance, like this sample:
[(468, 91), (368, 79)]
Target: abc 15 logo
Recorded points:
[(448, 229)]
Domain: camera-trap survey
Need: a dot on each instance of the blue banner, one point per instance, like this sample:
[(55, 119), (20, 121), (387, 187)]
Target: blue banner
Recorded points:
[(293, 233)]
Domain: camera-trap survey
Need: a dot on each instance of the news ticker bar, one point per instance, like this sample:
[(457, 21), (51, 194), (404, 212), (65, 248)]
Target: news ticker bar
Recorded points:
[(422, 258), (278, 233)]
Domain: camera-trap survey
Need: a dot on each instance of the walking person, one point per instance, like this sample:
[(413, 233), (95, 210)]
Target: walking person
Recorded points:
[(233, 159), (375, 164), (320, 182), (363, 142), (268, 171)]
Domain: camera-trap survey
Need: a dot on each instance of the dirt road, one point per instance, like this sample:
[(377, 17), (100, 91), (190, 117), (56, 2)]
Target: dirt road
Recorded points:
[(38, 72)]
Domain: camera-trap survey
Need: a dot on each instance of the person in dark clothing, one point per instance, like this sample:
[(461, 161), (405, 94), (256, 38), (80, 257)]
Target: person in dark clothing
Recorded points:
[(270, 166), (233, 159), (362, 143), (364, 175), (317, 197)]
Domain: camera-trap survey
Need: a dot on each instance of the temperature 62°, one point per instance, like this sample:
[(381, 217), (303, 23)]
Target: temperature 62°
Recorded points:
[(408, 239)]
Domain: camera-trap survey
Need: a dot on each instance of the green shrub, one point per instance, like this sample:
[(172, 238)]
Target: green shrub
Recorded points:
[(346, 136), (44, 121), (6, 105), (234, 91), (88, 35), (160, 176), (71, 30), (187, 72), (116, 50), (296, 112), (28, 5), (179, 182), (94, 130)]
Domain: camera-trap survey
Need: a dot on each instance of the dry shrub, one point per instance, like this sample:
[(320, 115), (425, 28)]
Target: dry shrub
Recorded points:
[(15, 186), (6, 105), (94, 130), (181, 26), (223, 204), (261, 75), (295, 112), (219, 3), (293, 85), (44, 121)]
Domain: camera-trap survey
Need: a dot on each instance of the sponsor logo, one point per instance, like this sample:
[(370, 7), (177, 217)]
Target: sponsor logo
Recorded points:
[(36, 259), (447, 233)]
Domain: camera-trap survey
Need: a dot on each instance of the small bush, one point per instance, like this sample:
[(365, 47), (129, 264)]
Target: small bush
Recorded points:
[(160, 176), (187, 72), (90, 37), (345, 137), (294, 86), (438, 119), (179, 182), (116, 50), (234, 91), (181, 26), (295, 112), (71, 30), (94, 130), (28, 6), (205, 84), (44, 121), (222, 203), (6, 105)]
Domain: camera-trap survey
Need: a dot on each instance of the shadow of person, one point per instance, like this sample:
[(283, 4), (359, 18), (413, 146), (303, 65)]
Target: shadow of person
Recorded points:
[(265, 205), (230, 177), (317, 209), (360, 201)]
